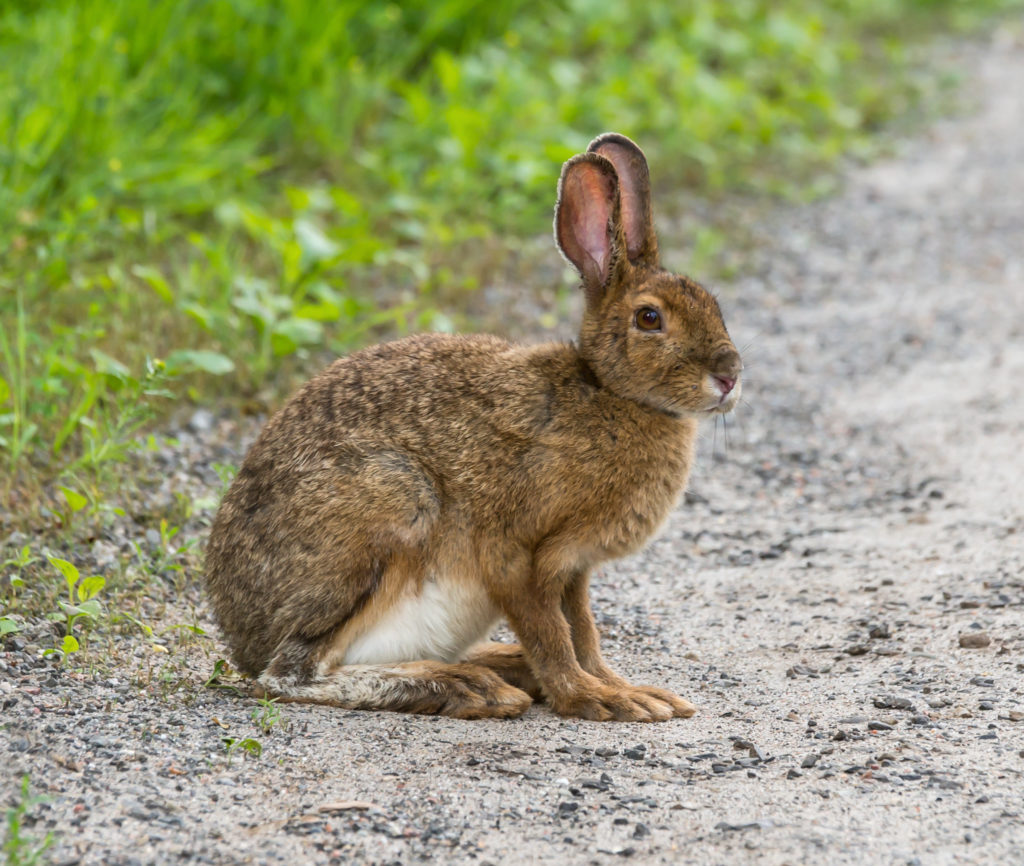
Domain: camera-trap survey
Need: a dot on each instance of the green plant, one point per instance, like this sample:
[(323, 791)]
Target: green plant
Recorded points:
[(20, 849), (167, 555), (267, 715), (247, 745), (220, 669), (82, 605), (20, 561)]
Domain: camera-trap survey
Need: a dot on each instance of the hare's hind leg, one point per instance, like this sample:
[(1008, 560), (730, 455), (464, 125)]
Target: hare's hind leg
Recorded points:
[(462, 691)]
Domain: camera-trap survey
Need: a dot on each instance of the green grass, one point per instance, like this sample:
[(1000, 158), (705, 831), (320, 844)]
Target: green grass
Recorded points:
[(200, 198)]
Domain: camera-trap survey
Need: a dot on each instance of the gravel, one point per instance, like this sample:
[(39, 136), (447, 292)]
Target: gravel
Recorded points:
[(842, 594)]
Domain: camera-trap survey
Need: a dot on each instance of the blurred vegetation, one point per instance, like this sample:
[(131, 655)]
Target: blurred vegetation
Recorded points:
[(198, 197)]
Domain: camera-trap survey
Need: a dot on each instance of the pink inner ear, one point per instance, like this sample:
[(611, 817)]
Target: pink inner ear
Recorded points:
[(633, 202), (586, 204), (591, 226)]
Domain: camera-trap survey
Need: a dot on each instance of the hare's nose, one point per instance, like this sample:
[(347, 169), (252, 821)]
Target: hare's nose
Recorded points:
[(725, 383)]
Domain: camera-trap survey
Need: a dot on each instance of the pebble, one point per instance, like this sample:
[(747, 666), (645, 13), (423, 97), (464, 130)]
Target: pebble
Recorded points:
[(879, 726), (202, 421), (975, 640), (891, 702)]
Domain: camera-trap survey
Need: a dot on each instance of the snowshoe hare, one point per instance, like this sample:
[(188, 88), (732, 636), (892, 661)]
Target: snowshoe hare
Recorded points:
[(416, 492)]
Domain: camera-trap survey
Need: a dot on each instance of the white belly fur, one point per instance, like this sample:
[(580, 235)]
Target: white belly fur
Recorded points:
[(440, 623)]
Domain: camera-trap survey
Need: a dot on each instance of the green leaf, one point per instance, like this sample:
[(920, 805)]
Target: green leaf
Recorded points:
[(253, 747), (90, 608), (90, 586), (126, 617), (75, 500), (109, 366), (8, 626), (69, 645), (5, 391), (66, 568), (203, 360), (155, 280), (315, 245), (293, 332), (219, 669)]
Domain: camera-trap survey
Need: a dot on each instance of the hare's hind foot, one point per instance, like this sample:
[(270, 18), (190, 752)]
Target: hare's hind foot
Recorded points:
[(461, 691), (509, 662)]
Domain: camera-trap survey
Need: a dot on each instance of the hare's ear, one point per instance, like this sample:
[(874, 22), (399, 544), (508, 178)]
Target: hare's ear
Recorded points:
[(588, 230), (635, 192)]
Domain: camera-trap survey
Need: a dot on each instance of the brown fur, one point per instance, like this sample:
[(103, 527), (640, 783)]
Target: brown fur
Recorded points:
[(515, 469)]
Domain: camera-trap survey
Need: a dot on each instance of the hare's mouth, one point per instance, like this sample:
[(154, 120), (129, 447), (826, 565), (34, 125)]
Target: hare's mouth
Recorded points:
[(726, 403)]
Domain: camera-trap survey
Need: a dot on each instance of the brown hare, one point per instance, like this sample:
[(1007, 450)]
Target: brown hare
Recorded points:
[(415, 493)]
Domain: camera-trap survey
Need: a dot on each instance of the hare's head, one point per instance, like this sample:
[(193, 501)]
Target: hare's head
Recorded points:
[(649, 335)]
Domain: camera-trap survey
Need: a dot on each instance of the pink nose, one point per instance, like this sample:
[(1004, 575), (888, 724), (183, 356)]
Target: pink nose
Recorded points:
[(725, 384)]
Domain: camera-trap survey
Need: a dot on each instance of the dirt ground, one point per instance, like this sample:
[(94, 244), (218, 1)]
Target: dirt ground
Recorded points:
[(859, 522)]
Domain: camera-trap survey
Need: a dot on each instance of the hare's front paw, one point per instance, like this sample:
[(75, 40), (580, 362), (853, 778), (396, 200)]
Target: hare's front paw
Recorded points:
[(681, 709), (622, 703)]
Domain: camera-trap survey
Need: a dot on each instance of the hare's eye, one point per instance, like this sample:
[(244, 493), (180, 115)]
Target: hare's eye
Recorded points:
[(648, 319)]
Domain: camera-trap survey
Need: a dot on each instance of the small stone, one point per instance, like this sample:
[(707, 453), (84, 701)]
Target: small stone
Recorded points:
[(202, 421), (605, 752), (793, 774), (975, 640), (808, 762), (879, 726), (640, 831), (596, 784), (567, 808), (891, 702), (879, 632)]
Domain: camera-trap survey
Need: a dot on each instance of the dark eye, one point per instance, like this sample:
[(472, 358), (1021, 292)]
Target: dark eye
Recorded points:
[(648, 319)]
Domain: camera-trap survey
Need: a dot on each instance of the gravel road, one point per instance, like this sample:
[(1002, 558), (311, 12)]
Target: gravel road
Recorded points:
[(841, 593)]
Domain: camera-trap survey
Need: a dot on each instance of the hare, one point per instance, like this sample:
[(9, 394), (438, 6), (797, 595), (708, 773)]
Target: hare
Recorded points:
[(414, 493)]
